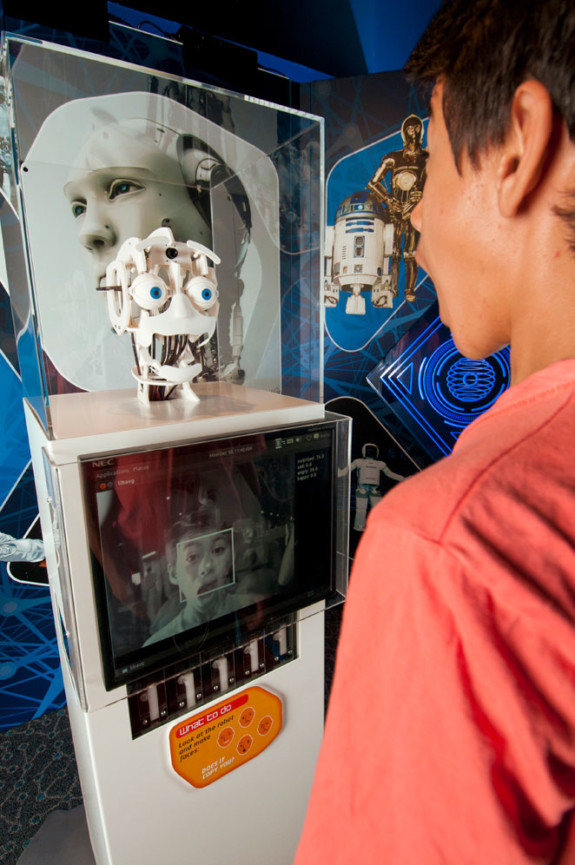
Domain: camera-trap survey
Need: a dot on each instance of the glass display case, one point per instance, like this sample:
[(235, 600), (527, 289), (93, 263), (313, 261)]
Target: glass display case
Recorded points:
[(104, 152)]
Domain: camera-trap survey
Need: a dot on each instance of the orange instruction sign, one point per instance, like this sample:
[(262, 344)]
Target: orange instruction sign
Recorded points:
[(218, 740)]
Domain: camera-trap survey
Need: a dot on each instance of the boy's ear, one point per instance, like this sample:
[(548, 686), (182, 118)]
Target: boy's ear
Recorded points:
[(523, 155)]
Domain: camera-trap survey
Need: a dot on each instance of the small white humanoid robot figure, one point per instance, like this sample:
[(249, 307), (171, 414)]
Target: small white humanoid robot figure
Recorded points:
[(369, 469), (407, 177), (164, 293), (358, 254)]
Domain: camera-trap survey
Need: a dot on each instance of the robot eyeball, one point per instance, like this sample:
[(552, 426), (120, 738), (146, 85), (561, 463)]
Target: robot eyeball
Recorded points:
[(171, 252), (149, 292), (201, 292)]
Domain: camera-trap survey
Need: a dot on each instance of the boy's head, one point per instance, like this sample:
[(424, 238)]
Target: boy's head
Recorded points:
[(497, 215), (483, 50)]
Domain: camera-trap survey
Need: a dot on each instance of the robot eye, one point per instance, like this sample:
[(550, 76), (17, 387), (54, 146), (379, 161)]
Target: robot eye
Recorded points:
[(149, 291), (202, 292), (78, 208), (122, 187)]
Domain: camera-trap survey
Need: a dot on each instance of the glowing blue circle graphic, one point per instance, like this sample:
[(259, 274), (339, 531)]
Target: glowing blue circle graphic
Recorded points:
[(459, 389), (470, 380)]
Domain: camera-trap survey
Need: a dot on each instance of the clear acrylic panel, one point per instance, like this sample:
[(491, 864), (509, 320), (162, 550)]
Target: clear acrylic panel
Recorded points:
[(104, 151)]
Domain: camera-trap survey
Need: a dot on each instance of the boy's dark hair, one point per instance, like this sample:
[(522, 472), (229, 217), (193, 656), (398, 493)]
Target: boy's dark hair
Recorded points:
[(483, 50)]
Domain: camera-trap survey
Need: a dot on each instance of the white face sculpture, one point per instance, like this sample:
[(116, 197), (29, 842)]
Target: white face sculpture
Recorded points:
[(127, 183)]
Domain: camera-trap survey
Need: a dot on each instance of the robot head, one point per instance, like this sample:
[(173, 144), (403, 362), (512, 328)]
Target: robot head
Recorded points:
[(126, 182), (412, 130), (370, 451), (165, 294)]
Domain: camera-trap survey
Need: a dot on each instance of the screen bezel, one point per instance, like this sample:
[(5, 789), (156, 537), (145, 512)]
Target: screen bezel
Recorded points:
[(314, 534)]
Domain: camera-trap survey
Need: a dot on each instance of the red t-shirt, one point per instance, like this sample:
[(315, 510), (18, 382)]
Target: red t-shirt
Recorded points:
[(450, 736)]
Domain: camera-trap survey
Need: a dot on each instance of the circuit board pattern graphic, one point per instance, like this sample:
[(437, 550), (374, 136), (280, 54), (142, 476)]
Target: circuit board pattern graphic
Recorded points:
[(30, 675)]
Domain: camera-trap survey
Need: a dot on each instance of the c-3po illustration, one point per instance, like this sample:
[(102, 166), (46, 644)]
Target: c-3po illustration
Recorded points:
[(406, 168)]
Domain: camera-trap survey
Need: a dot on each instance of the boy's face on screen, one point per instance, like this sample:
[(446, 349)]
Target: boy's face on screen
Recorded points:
[(204, 564)]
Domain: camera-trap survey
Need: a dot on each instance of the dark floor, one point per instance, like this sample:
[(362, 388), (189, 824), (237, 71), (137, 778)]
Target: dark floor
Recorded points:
[(37, 775), (38, 768)]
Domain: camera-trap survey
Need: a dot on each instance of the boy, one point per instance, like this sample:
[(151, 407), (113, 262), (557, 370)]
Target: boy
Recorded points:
[(451, 731)]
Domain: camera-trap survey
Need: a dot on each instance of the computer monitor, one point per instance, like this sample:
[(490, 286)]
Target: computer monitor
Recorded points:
[(195, 544)]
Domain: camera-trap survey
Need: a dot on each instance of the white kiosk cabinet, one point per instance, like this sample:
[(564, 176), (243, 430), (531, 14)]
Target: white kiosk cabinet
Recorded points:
[(196, 737)]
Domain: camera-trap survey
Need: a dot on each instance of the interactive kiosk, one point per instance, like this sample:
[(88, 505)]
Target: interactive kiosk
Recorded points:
[(193, 543)]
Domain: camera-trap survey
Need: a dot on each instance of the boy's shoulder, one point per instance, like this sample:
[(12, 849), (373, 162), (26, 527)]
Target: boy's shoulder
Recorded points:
[(517, 453)]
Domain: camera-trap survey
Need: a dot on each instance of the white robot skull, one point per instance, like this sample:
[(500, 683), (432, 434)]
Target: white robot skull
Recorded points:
[(164, 293)]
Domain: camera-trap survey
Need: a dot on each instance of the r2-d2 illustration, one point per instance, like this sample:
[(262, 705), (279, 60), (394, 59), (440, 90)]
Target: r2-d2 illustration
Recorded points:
[(358, 254)]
